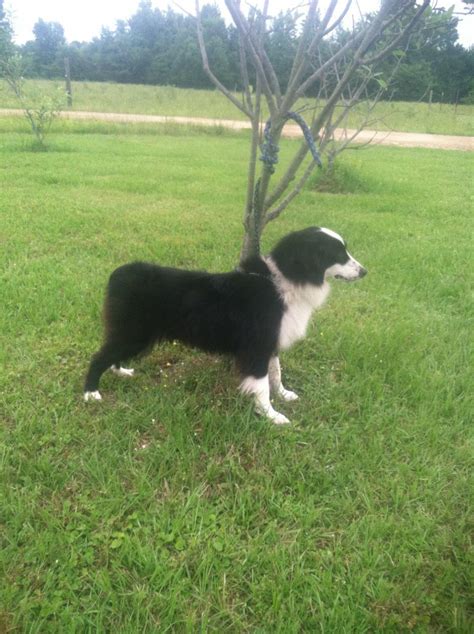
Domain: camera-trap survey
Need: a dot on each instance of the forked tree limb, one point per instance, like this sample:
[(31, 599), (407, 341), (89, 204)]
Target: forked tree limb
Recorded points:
[(304, 40), (244, 28), (335, 24), (207, 69), (292, 92), (274, 213)]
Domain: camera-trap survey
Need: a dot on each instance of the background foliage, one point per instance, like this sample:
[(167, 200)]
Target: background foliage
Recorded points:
[(160, 47)]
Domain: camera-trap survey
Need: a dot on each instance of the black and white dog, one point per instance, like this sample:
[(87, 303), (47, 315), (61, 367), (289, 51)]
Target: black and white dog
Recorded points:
[(251, 313)]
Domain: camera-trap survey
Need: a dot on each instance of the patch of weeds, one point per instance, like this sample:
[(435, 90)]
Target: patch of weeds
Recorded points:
[(404, 616), (339, 179), (36, 147)]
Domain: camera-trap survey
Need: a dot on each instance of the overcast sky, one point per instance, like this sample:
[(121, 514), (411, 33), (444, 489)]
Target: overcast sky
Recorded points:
[(83, 19)]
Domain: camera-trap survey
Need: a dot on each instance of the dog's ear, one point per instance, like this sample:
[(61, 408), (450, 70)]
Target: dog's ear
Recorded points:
[(302, 263), (298, 257), (310, 262)]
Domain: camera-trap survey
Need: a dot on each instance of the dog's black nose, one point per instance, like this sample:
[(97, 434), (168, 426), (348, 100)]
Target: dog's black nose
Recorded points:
[(363, 272)]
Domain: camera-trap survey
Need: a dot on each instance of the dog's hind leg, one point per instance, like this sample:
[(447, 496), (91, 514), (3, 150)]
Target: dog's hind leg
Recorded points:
[(118, 370), (100, 362), (274, 376), (110, 355)]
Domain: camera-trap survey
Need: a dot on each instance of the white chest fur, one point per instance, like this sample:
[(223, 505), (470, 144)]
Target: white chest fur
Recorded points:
[(300, 303)]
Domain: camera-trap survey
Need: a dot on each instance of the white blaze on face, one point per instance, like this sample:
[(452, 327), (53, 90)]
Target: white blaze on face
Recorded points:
[(351, 270), (332, 233)]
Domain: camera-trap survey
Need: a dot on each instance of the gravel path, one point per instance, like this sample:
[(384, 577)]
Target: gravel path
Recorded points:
[(401, 139)]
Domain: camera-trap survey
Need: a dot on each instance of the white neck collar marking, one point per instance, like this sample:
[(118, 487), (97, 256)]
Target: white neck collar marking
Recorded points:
[(300, 301)]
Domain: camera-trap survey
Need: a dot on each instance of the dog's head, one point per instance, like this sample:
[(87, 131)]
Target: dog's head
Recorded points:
[(315, 254)]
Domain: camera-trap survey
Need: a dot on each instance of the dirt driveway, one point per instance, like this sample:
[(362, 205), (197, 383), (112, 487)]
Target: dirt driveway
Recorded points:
[(401, 139)]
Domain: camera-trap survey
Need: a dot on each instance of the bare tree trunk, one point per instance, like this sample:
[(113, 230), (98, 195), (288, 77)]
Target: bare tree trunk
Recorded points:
[(355, 59)]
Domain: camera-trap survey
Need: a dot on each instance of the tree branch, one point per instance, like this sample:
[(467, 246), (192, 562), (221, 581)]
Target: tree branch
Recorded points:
[(406, 30), (275, 83), (339, 19), (207, 70), (274, 213), (293, 91), (322, 69), (244, 28), (245, 75), (301, 50)]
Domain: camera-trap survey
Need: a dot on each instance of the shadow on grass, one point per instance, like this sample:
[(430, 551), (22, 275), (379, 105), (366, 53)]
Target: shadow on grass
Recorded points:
[(36, 147)]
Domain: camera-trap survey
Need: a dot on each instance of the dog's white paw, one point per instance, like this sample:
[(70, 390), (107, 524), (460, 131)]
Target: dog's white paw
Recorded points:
[(127, 372), (92, 396), (288, 395), (279, 419), (271, 414)]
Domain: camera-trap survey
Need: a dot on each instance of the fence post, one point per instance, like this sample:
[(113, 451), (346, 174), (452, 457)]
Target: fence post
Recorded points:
[(67, 76)]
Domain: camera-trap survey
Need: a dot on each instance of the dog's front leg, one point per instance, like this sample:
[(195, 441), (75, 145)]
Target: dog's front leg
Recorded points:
[(260, 388), (274, 374)]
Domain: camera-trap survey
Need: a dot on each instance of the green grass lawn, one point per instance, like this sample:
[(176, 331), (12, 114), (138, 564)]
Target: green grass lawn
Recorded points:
[(169, 100), (170, 506)]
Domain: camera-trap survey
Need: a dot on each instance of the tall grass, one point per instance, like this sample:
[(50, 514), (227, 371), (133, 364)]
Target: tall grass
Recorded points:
[(169, 100)]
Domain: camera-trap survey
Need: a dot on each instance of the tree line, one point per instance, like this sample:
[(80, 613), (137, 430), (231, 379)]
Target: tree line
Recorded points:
[(161, 48)]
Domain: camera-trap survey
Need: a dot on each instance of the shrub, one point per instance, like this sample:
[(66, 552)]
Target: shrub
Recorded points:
[(40, 109)]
